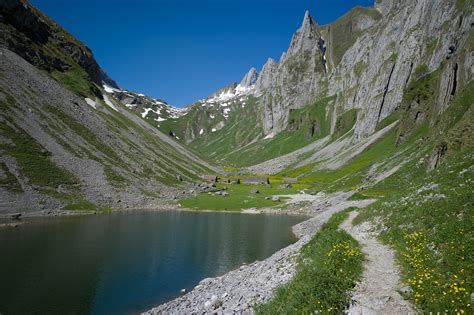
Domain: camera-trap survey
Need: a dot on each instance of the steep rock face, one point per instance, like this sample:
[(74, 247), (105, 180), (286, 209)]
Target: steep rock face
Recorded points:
[(375, 71), (367, 61), (264, 80), (249, 79), (288, 82)]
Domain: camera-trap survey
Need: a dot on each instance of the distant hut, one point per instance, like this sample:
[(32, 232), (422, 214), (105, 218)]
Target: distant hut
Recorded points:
[(290, 180), (209, 178), (256, 180), (231, 181)]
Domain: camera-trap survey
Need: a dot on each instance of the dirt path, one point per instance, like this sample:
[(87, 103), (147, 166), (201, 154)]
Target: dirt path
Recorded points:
[(377, 291)]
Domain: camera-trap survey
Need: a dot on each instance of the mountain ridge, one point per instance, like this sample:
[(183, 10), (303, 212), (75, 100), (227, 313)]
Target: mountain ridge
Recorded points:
[(67, 142), (317, 66)]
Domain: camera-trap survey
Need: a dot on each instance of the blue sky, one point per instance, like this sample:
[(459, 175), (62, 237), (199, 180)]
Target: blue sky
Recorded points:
[(183, 50)]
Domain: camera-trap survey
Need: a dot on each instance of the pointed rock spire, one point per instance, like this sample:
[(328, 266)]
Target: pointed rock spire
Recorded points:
[(249, 79), (305, 37), (308, 20), (266, 75)]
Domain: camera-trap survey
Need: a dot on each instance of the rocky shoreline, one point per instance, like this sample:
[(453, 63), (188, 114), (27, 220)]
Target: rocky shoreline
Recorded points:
[(239, 290)]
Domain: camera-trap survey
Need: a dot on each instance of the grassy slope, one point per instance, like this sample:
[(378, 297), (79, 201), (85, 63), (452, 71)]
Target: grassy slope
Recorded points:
[(329, 266), (118, 154), (32, 158), (428, 218), (351, 175), (428, 215), (240, 143), (240, 129), (288, 140)]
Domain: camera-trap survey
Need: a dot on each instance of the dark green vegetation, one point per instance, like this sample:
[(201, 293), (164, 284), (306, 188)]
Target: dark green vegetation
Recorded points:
[(329, 266), (48, 46), (344, 123), (33, 160), (8, 180)]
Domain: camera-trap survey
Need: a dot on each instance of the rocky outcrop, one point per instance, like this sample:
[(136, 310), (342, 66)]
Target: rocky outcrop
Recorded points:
[(249, 79), (287, 83), (265, 78), (26, 31)]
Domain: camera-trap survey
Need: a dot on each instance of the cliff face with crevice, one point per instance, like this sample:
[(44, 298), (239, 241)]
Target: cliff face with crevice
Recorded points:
[(367, 58)]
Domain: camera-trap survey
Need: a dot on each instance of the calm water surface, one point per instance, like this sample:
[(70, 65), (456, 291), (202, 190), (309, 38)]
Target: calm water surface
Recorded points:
[(124, 263)]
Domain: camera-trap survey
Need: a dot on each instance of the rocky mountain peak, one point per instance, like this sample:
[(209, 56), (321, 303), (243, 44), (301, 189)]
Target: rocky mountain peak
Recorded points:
[(228, 89), (307, 20), (305, 37), (249, 79), (265, 76)]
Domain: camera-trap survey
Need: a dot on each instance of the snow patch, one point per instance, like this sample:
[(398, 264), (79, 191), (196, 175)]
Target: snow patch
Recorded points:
[(201, 131), (270, 135), (145, 113), (109, 89), (109, 102), (91, 103), (226, 97), (219, 126), (226, 113), (160, 119)]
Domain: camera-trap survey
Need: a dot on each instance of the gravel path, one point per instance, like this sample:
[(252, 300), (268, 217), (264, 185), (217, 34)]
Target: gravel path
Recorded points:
[(240, 289), (377, 291)]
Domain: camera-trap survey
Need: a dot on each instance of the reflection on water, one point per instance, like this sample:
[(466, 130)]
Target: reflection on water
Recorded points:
[(124, 263)]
